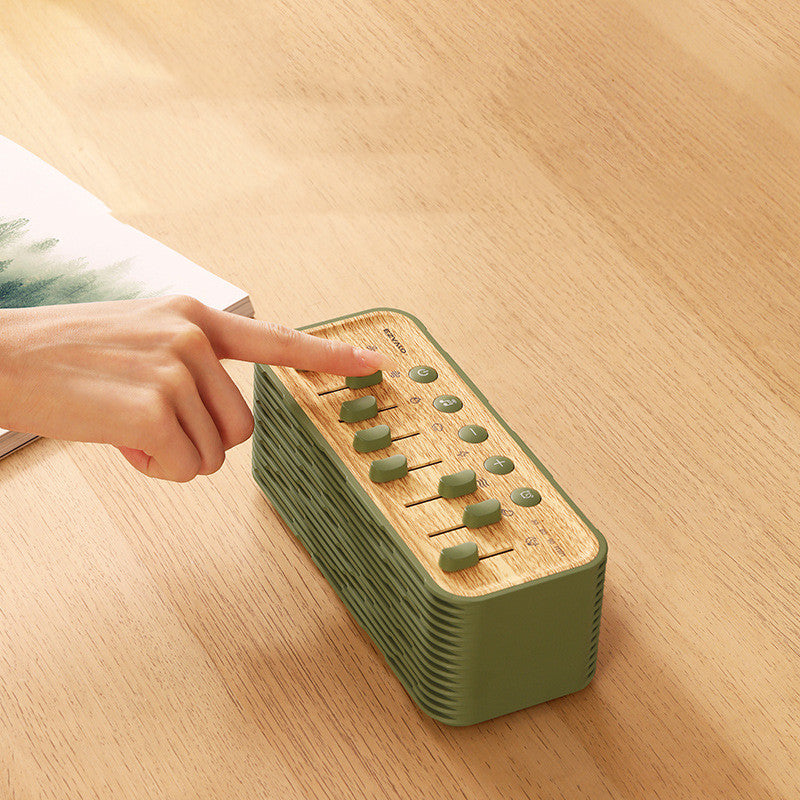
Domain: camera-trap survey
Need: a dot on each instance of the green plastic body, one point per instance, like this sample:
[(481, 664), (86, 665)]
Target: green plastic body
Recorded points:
[(462, 659)]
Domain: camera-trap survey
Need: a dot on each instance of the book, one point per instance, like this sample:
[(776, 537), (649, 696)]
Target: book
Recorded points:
[(61, 244)]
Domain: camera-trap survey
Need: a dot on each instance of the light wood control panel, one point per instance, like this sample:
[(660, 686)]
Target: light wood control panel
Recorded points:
[(506, 525)]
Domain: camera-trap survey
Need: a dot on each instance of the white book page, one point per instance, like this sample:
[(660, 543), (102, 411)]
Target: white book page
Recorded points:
[(29, 186)]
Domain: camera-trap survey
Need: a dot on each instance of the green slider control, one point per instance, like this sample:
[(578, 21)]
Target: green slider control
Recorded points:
[(458, 484), (388, 469), (361, 408), (372, 439), (479, 514), (460, 556), (362, 381)]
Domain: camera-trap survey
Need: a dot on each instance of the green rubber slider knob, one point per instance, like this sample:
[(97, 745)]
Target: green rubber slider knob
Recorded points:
[(372, 439), (362, 381), (458, 484), (480, 514), (361, 408), (388, 469), (460, 556)]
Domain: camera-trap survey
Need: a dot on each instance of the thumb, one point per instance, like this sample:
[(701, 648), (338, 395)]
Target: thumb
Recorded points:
[(245, 339)]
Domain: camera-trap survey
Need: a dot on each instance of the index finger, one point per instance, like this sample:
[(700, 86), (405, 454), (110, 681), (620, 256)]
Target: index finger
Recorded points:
[(245, 339)]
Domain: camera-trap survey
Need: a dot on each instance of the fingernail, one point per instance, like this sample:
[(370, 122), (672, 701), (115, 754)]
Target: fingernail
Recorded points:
[(373, 358)]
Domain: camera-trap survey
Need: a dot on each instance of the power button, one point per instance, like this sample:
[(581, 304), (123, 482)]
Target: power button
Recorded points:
[(423, 374)]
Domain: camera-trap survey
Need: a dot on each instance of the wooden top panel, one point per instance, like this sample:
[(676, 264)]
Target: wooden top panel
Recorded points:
[(526, 544)]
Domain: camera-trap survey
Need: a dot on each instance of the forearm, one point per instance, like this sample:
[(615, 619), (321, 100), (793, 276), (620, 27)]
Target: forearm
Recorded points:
[(15, 385)]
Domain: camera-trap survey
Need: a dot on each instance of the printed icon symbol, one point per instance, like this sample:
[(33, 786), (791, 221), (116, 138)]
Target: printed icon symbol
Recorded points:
[(395, 373), (526, 494), (414, 399), (423, 372), (371, 347), (437, 426)]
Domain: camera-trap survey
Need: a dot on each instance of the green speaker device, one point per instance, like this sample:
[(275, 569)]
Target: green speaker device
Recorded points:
[(479, 580)]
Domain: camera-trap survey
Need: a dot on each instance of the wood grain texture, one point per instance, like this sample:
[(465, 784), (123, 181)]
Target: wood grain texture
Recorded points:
[(594, 208), (526, 544)]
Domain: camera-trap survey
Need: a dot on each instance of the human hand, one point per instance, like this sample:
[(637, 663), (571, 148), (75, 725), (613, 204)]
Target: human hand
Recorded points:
[(145, 376)]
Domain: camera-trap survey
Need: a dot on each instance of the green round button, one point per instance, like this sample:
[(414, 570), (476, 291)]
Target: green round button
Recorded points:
[(473, 434), (525, 496), (447, 403), (499, 465), (423, 374)]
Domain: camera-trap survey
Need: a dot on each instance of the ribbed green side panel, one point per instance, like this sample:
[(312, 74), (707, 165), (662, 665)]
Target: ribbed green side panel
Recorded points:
[(462, 659), (423, 637)]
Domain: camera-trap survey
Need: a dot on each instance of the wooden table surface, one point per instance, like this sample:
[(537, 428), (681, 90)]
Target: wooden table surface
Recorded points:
[(594, 207)]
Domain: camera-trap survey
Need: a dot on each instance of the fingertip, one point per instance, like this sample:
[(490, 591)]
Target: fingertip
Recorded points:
[(369, 361)]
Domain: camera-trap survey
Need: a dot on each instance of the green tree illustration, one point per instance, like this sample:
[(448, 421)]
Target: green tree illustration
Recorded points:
[(32, 275)]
